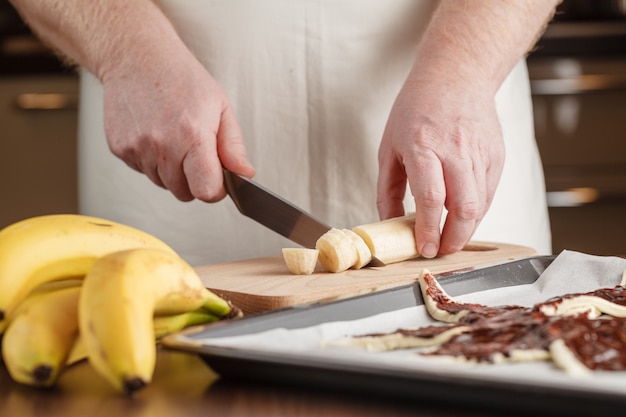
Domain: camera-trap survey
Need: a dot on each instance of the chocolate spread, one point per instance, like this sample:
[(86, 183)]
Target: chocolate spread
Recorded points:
[(598, 343)]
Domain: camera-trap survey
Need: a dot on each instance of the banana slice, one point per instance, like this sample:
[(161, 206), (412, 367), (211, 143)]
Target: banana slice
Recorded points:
[(391, 240), (300, 261), (363, 252), (337, 251)]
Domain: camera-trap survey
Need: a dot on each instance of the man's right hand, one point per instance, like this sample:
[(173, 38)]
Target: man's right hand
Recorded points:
[(172, 121), (165, 115)]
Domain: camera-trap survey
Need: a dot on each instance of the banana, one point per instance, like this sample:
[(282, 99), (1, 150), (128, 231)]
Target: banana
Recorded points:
[(391, 240), (163, 325), (300, 261), (337, 251), (52, 247), (121, 293), (342, 249), (363, 252), (40, 335)]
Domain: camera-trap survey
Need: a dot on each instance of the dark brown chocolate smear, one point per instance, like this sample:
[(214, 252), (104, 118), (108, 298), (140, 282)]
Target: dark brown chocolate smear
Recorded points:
[(475, 311), (615, 295), (600, 344)]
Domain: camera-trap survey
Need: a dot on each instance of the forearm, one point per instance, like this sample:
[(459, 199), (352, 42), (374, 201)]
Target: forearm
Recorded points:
[(480, 41), (99, 34)]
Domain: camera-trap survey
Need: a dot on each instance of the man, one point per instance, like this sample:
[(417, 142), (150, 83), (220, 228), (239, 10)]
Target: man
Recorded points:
[(179, 87)]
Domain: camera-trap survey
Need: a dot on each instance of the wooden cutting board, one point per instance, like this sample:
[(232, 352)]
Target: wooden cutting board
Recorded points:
[(258, 285)]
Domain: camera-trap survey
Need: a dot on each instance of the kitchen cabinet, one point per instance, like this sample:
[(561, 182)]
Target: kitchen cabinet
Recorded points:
[(578, 81), (38, 128), (580, 132)]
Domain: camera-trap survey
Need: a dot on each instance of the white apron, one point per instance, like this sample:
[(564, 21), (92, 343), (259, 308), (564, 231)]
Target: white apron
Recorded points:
[(312, 84)]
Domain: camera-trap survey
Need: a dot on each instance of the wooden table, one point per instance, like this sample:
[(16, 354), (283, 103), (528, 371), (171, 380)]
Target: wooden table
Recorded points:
[(184, 385)]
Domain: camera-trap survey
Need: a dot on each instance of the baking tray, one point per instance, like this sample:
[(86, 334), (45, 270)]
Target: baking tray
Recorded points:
[(329, 373)]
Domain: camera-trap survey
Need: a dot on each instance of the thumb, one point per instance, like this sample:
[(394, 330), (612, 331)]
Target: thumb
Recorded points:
[(230, 146)]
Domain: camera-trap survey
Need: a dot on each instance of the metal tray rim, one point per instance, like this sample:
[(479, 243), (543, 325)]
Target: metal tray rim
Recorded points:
[(296, 369)]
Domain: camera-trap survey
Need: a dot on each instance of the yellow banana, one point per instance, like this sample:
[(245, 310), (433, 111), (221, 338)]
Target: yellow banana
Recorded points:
[(52, 247), (40, 335), (163, 325), (121, 293), (49, 286), (44, 331)]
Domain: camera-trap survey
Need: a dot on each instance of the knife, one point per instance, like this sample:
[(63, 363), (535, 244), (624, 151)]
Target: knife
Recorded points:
[(274, 212)]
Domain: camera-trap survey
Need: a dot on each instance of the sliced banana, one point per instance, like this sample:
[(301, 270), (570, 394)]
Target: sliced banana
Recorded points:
[(363, 252), (391, 240), (337, 251), (300, 261)]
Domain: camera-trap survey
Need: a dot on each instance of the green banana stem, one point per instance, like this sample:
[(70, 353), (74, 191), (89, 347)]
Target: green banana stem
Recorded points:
[(219, 306), (164, 325)]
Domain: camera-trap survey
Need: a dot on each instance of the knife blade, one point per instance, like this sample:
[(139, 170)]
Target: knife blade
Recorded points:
[(274, 212)]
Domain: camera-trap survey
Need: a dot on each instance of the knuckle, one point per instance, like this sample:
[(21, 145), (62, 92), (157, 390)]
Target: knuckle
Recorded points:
[(432, 198), (470, 210), (188, 130)]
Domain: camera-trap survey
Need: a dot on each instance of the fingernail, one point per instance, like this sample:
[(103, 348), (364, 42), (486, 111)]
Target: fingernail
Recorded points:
[(429, 250)]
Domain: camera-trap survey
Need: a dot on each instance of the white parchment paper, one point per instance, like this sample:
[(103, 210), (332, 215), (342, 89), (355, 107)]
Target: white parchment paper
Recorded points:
[(570, 272)]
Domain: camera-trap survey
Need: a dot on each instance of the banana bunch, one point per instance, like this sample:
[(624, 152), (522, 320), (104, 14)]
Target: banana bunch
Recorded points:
[(337, 250), (75, 287)]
